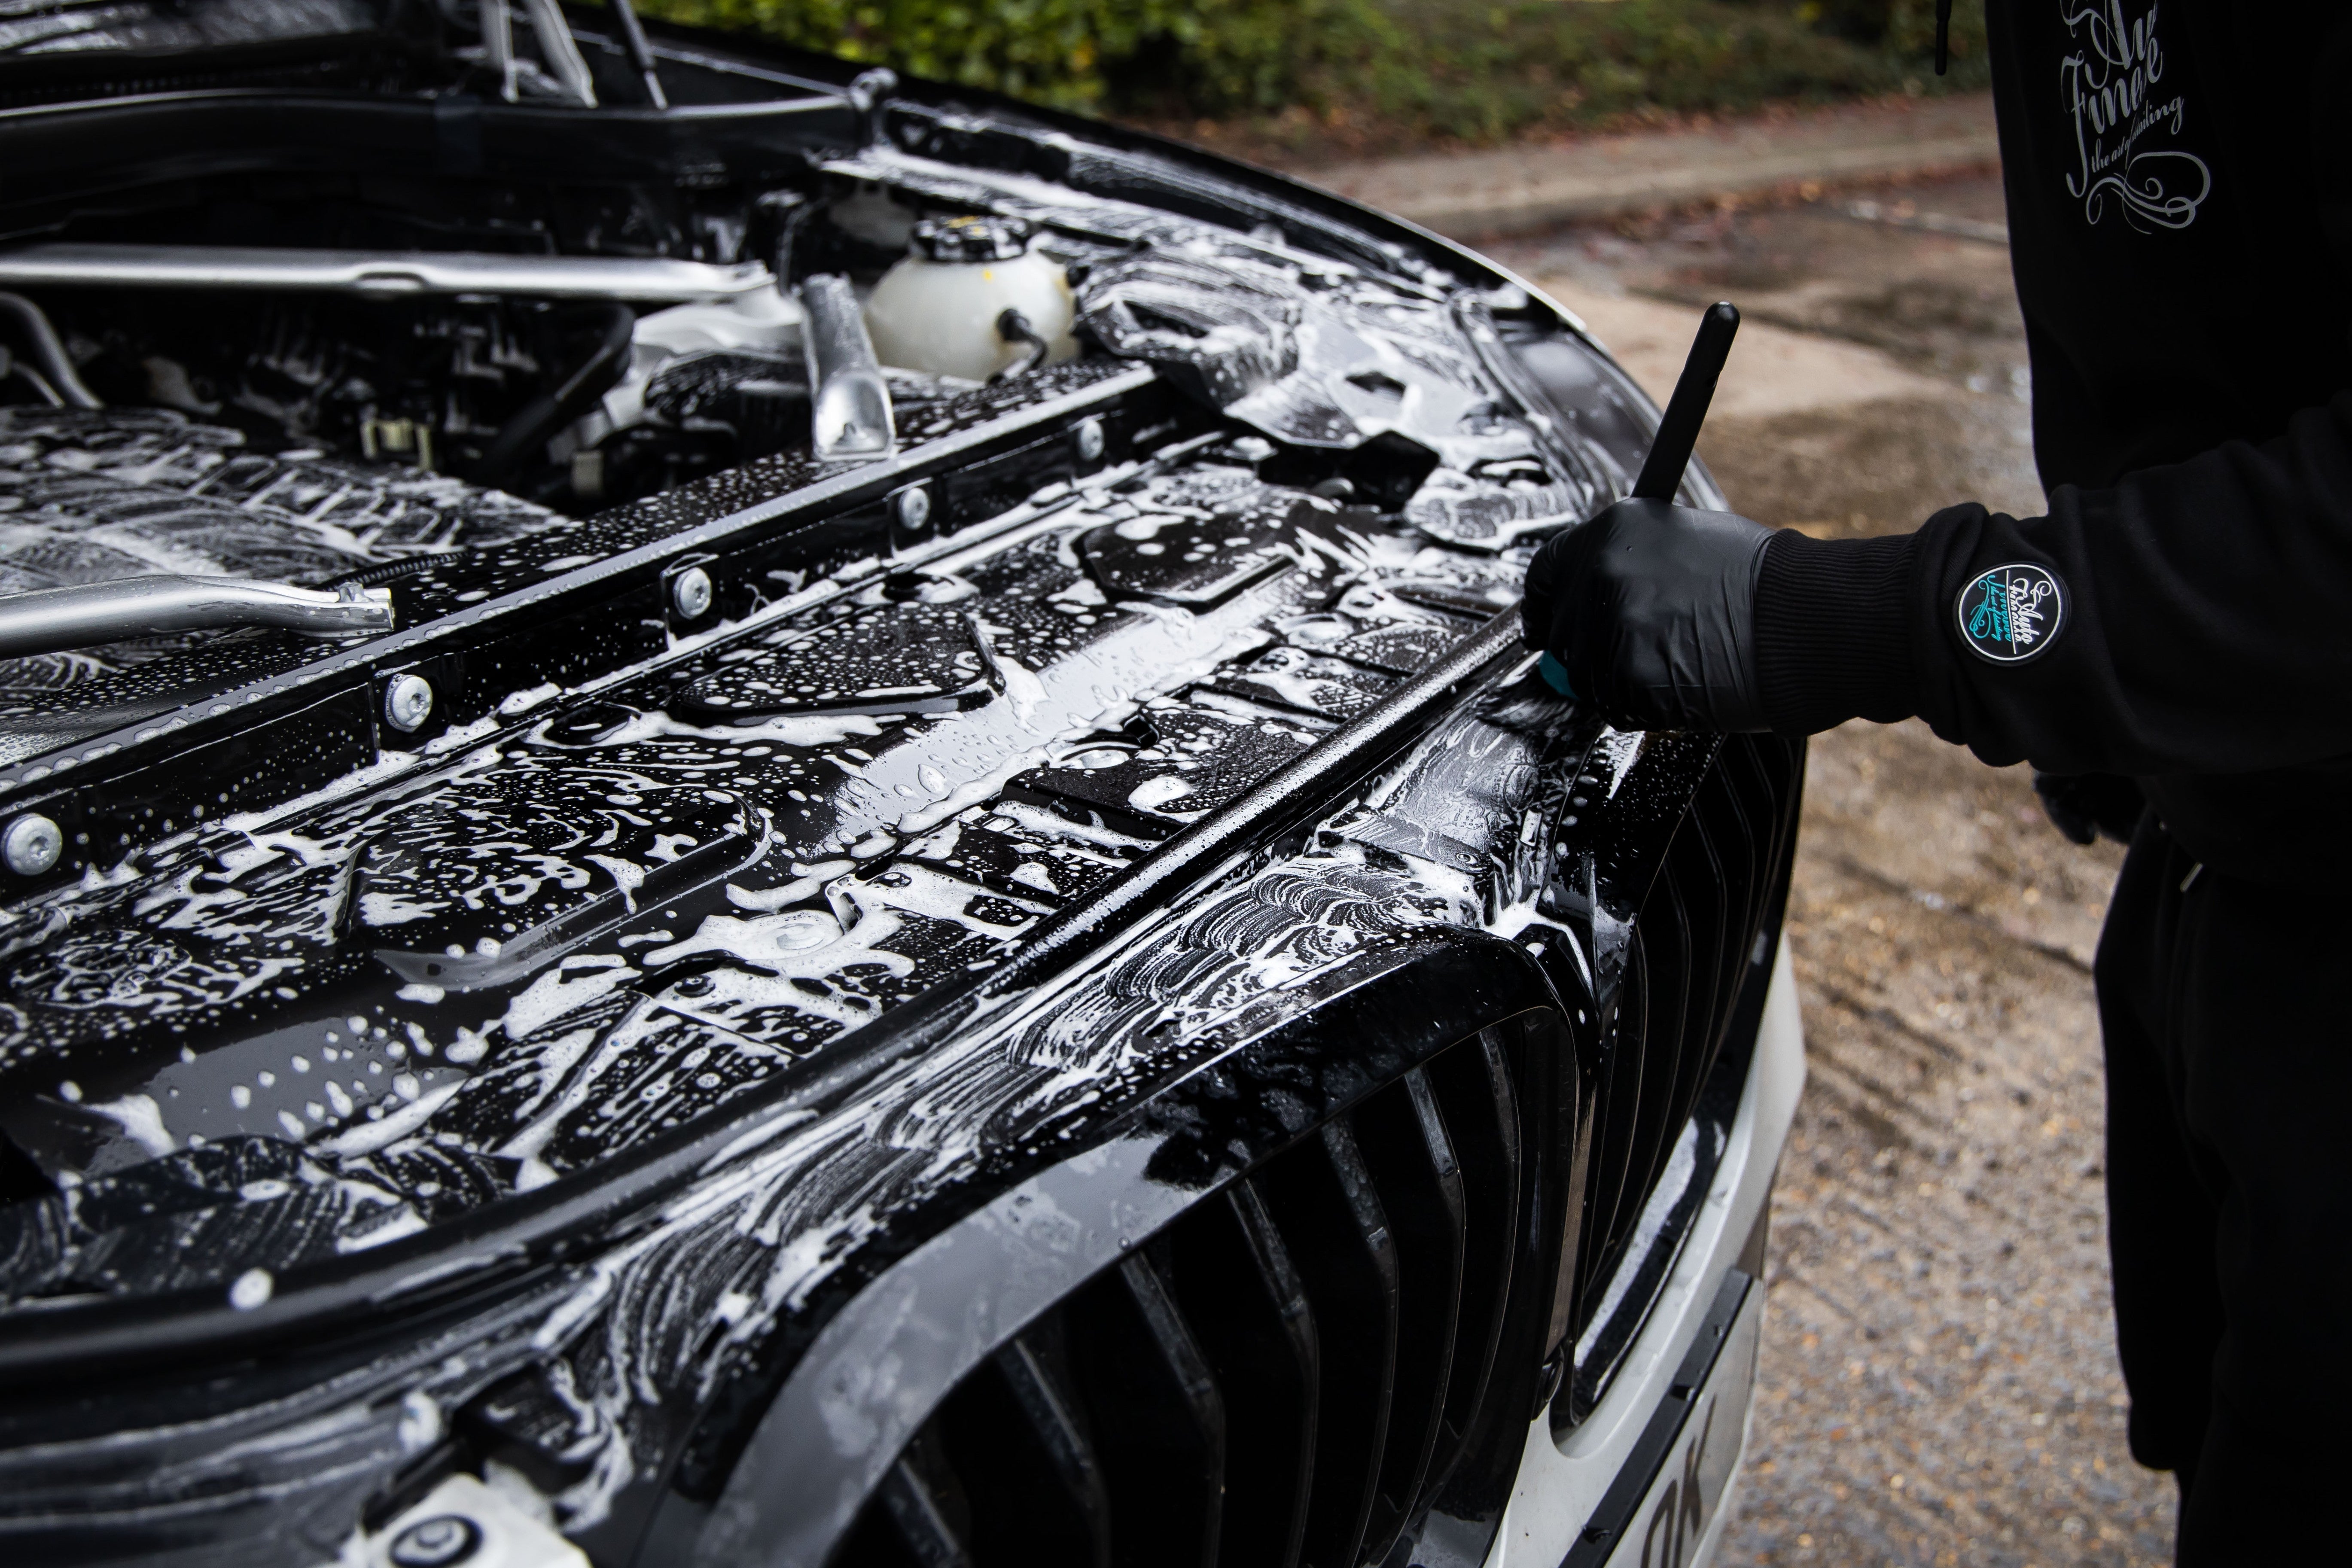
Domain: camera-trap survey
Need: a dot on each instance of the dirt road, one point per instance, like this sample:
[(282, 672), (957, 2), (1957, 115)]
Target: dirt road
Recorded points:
[(1939, 1383)]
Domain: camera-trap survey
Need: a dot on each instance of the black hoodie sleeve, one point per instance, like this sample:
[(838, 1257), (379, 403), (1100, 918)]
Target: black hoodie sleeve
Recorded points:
[(2203, 618)]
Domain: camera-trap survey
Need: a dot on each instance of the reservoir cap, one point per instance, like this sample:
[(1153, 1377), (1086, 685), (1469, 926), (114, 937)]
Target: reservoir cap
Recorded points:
[(972, 238)]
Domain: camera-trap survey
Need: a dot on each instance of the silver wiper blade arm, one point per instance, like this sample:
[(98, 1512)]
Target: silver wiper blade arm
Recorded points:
[(52, 620)]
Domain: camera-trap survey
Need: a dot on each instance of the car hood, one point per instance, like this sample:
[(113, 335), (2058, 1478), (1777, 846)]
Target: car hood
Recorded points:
[(683, 970)]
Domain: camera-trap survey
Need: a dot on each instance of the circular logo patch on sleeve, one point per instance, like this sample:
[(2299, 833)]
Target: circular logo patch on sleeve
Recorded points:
[(2011, 613)]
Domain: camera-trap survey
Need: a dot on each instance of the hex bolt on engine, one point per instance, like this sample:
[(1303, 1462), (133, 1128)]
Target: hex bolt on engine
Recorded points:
[(407, 704), (32, 843), (690, 593)]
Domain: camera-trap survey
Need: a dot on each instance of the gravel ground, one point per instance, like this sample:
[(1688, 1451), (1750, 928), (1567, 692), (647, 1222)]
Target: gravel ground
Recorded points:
[(1938, 1384)]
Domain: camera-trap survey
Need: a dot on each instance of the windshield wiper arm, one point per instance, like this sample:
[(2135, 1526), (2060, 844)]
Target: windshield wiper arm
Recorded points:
[(51, 620)]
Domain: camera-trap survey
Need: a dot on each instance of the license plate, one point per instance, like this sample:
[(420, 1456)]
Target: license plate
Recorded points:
[(1667, 1495)]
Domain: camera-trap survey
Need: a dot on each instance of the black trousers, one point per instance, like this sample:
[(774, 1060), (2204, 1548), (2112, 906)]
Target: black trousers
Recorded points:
[(2227, 1011)]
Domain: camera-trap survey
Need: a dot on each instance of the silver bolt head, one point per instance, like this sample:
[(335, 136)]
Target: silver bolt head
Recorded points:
[(1090, 440), (690, 593), (32, 843), (914, 509), (440, 1542), (407, 704)]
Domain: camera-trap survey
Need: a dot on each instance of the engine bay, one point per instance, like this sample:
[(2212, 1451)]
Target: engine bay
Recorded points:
[(301, 410), (303, 407), (825, 535)]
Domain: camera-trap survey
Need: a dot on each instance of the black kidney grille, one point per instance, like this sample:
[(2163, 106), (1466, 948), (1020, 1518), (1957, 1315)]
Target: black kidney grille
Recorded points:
[(1694, 949), (1291, 1373), (1286, 1376)]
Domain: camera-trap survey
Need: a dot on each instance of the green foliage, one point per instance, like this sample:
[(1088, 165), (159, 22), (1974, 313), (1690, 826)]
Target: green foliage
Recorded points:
[(1900, 27), (1490, 71), (1475, 72), (1226, 54), (1241, 56), (1048, 51)]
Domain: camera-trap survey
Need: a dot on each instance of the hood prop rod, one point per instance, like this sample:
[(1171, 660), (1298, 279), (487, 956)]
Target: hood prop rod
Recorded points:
[(641, 54)]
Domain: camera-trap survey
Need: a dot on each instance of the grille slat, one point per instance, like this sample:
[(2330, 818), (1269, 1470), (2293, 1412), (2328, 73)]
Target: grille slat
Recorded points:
[(1691, 959), (1401, 1132), (1767, 785), (1620, 1095), (1473, 1087), (1698, 894), (1237, 1286), (1715, 902), (1742, 846), (1025, 1471), (1031, 1473), (1663, 933), (916, 1525), (1689, 949), (1330, 1212), (1158, 1418)]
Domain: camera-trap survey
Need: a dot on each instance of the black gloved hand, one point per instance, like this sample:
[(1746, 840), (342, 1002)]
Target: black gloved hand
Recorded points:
[(1651, 607), (2083, 806)]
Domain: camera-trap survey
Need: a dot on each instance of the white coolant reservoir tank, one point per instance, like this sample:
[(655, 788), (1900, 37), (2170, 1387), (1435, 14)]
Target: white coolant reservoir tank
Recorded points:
[(972, 299)]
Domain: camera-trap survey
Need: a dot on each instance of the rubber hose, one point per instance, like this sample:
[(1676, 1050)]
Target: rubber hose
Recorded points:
[(535, 424), (48, 354), (1015, 328)]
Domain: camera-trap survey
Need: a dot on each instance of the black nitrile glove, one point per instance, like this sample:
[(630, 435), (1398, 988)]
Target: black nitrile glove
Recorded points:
[(1651, 606), (2083, 806)]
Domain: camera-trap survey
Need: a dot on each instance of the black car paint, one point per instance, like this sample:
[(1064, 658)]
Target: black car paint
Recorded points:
[(351, 1380)]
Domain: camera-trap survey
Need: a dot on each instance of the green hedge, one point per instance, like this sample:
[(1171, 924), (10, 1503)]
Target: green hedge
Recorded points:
[(1225, 53), (1472, 71), (1480, 73)]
